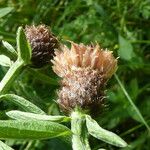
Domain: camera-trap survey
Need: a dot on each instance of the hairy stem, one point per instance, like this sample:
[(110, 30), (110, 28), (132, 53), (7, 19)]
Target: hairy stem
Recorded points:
[(10, 76), (78, 127)]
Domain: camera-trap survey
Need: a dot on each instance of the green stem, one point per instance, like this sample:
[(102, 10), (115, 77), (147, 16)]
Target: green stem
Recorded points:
[(78, 127), (10, 76), (132, 104), (29, 145)]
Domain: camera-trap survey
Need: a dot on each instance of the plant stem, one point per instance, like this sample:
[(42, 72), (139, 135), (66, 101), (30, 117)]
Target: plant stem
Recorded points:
[(132, 104), (10, 76), (78, 127), (29, 145)]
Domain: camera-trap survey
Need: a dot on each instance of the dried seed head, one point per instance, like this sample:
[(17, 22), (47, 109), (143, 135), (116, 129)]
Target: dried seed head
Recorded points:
[(83, 88), (82, 56), (85, 71), (43, 43)]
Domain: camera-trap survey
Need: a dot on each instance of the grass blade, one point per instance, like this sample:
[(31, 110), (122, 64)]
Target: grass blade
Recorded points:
[(132, 104)]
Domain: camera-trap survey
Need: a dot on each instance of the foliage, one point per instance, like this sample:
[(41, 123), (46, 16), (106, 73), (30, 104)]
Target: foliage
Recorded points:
[(121, 26)]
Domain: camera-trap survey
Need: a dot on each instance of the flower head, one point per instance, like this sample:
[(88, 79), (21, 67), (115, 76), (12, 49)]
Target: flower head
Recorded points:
[(43, 43), (85, 71), (81, 56)]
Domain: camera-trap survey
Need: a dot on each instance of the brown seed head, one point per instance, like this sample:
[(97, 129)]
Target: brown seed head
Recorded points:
[(43, 43), (82, 56), (85, 70)]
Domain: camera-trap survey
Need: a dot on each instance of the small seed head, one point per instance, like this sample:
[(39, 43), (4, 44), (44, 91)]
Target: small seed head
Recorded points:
[(42, 42)]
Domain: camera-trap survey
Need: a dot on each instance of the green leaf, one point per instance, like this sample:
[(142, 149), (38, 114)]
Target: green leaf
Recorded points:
[(132, 103), (10, 51), (15, 129), (5, 61), (23, 46), (80, 134), (5, 11), (134, 88), (131, 111), (125, 48), (3, 146), (19, 115), (22, 102), (109, 137)]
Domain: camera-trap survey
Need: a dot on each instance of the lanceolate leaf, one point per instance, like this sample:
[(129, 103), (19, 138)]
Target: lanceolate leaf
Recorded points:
[(19, 115), (102, 134), (5, 61), (3, 146), (23, 46), (31, 129), (22, 102), (10, 51), (5, 11), (125, 48)]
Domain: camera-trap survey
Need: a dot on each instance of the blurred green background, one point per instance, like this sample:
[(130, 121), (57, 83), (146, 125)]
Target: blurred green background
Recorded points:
[(121, 26)]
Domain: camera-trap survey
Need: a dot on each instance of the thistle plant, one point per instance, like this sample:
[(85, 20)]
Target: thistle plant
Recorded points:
[(33, 105), (31, 123), (84, 71)]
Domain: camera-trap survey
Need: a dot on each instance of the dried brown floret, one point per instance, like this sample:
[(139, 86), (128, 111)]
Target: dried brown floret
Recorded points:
[(43, 43), (83, 87), (84, 56)]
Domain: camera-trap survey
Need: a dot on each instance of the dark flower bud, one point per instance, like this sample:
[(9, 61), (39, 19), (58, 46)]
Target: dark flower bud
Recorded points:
[(85, 71), (42, 42)]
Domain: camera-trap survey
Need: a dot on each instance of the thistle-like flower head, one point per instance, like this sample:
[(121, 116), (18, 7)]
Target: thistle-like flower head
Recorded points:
[(81, 56), (42, 42), (85, 71)]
